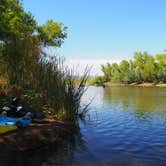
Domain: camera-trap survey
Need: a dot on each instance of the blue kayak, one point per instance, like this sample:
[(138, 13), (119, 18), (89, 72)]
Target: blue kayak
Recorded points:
[(19, 122)]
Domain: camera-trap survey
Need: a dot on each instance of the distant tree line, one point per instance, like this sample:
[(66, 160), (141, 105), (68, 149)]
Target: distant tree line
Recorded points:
[(143, 68)]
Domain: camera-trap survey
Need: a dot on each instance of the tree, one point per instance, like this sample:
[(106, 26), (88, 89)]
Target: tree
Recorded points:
[(21, 40), (138, 63), (143, 68), (15, 28), (106, 69), (124, 71), (52, 33), (149, 68), (15, 23), (161, 67), (115, 72)]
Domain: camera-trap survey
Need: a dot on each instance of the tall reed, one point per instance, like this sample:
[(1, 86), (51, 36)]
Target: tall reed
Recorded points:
[(55, 82)]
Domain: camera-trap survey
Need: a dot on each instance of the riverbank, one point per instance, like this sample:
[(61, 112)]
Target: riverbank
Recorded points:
[(110, 84), (35, 136)]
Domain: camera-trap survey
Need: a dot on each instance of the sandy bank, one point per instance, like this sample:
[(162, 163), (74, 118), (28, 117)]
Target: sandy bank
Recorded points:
[(109, 84)]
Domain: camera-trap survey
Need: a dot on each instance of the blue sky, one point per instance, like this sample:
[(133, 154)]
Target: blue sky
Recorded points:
[(105, 29)]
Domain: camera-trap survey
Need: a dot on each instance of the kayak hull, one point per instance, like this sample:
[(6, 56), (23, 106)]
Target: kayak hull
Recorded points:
[(5, 121)]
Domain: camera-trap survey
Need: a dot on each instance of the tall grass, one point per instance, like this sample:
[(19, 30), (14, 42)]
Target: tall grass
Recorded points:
[(58, 93), (49, 86)]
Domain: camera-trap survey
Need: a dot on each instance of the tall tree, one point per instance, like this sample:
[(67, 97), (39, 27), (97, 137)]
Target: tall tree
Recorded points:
[(106, 69), (161, 67), (21, 40)]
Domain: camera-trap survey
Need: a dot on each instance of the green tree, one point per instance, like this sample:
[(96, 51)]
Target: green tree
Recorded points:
[(52, 33), (21, 40), (145, 66), (149, 68), (138, 63), (106, 69), (15, 27), (115, 72), (161, 67), (124, 71)]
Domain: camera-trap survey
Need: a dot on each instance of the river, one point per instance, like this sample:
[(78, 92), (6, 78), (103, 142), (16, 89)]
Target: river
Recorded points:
[(124, 126)]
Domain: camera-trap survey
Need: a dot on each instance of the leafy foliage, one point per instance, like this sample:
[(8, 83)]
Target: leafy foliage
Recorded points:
[(143, 68), (21, 40), (52, 33)]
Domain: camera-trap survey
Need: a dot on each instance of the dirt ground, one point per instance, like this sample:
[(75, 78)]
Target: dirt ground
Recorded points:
[(34, 136)]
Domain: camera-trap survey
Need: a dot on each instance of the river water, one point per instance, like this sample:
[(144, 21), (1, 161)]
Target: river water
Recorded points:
[(124, 126)]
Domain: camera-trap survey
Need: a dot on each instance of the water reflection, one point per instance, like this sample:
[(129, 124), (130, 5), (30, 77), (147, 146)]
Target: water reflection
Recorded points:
[(130, 128), (125, 126), (138, 98)]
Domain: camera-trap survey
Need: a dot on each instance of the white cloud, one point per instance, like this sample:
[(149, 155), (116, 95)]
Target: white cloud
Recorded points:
[(79, 65)]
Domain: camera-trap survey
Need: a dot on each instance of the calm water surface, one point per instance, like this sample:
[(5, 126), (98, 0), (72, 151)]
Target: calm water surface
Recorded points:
[(125, 126)]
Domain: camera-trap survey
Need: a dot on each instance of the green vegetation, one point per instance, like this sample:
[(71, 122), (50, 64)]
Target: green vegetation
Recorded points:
[(22, 41), (28, 70), (143, 68)]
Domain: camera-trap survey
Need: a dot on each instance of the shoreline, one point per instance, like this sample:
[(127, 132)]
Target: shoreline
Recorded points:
[(36, 136), (109, 84)]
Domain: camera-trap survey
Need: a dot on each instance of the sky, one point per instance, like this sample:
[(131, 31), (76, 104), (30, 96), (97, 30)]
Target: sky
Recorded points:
[(104, 30)]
